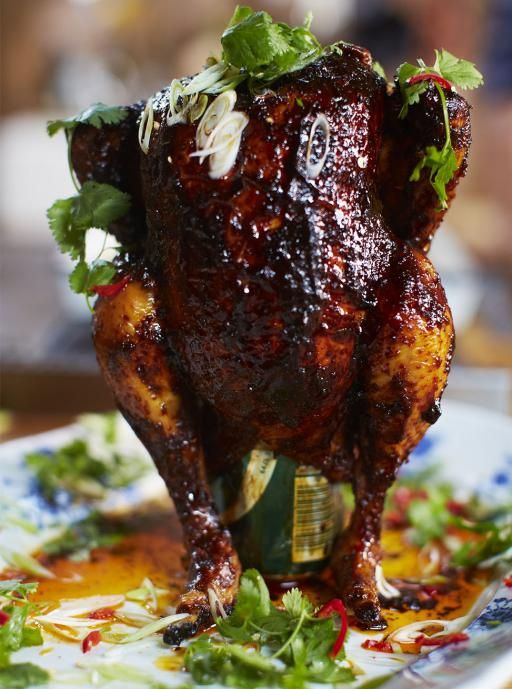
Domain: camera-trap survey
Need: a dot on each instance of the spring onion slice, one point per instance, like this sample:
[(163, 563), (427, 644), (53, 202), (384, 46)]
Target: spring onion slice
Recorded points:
[(26, 563), (146, 126), (70, 613), (151, 628), (205, 79), (385, 589), (215, 112), (314, 169), (223, 144)]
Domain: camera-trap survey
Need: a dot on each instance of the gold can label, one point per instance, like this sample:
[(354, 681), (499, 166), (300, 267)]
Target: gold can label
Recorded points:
[(283, 517), (313, 516)]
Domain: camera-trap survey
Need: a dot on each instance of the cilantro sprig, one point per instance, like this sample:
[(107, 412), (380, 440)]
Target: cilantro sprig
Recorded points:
[(14, 610), (95, 205), (97, 115), (265, 50), (413, 80), (78, 539), (286, 647), (429, 510), (84, 468)]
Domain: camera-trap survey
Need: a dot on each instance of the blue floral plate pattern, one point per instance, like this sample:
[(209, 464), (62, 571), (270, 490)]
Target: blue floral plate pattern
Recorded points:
[(472, 447)]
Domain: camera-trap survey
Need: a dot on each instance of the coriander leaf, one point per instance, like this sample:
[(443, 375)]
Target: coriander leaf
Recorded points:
[(253, 601), (496, 546), (14, 588), (460, 72), (253, 42), (76, 469), (442, 164), (295, 603), (70, 238), (102, 273), (410, 94), (377, 67), (22, 675), (83, 536), (96, 115), (99, 205), (85, 277), (31, 637), (265, 50), (79, 277), (212, 662), (95, 205), (300, 641), (241, 12)]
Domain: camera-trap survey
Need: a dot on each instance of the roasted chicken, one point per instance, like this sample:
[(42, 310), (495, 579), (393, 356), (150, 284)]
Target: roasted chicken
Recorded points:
[(270, 306)]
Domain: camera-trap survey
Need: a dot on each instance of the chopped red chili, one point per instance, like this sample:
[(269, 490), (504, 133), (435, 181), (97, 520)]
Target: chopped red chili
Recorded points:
[(430, 590), (102, 614), (508, 582), (441, 640), (380, 646), (430, 77), (4, 618), (92, 639), (336, 606), (457, 508), (110, 291)]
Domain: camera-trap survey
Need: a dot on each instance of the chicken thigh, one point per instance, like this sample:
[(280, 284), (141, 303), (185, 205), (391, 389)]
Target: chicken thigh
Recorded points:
[(276, 307)]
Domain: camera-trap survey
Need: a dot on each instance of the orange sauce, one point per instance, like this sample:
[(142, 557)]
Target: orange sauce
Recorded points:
[(153, 549)]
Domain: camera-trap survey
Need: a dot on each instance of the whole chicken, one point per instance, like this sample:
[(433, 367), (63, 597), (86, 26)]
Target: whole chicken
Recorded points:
[(275, 291)]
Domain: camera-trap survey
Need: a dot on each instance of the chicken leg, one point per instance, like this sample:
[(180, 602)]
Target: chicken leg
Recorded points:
[(133, 357)]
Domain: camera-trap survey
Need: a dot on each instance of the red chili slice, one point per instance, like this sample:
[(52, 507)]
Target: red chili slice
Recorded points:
[(336, 606), (441, 640), (4, 618), (110, 291), (102, 614), (92, 639), (508, 582), (430, 77), (457, 508), (380, 646)]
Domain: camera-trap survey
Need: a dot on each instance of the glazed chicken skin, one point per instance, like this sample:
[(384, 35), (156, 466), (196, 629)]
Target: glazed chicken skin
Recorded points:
[(268, 308)]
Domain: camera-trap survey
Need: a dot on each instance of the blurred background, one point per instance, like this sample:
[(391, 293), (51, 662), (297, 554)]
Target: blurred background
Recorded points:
[(58, 56)]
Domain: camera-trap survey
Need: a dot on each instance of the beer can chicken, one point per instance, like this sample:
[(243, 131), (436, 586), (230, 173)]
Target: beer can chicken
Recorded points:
[(274, 288)]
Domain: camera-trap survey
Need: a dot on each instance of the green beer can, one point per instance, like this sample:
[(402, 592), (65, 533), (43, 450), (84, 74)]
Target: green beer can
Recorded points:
[(283, 517)]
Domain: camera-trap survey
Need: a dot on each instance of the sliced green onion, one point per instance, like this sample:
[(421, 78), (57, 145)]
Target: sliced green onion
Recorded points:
[(206, 79), (143, 632), (26, 563), (146, 126)]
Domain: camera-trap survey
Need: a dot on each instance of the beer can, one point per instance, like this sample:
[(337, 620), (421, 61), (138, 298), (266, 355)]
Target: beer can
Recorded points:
[(283, 517)]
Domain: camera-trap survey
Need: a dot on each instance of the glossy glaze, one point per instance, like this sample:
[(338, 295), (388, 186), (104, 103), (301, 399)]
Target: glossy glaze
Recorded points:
[(270, 308)]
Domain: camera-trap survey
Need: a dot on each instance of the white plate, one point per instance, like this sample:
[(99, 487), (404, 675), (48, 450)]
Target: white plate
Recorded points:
[(474, 450)]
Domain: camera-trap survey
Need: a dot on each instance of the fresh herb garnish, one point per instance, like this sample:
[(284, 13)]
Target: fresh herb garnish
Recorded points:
[(14, 589), (429, 510), (80, 538), (413, 80), (266, 50), (22, 675), (96, 115), (15, 606), (76, 469), (377, 67), (95, 205), (285, 647), (495, 547)]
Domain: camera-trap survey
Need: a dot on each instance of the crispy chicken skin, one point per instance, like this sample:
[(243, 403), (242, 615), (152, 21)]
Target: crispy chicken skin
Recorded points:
[(266, 307)]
